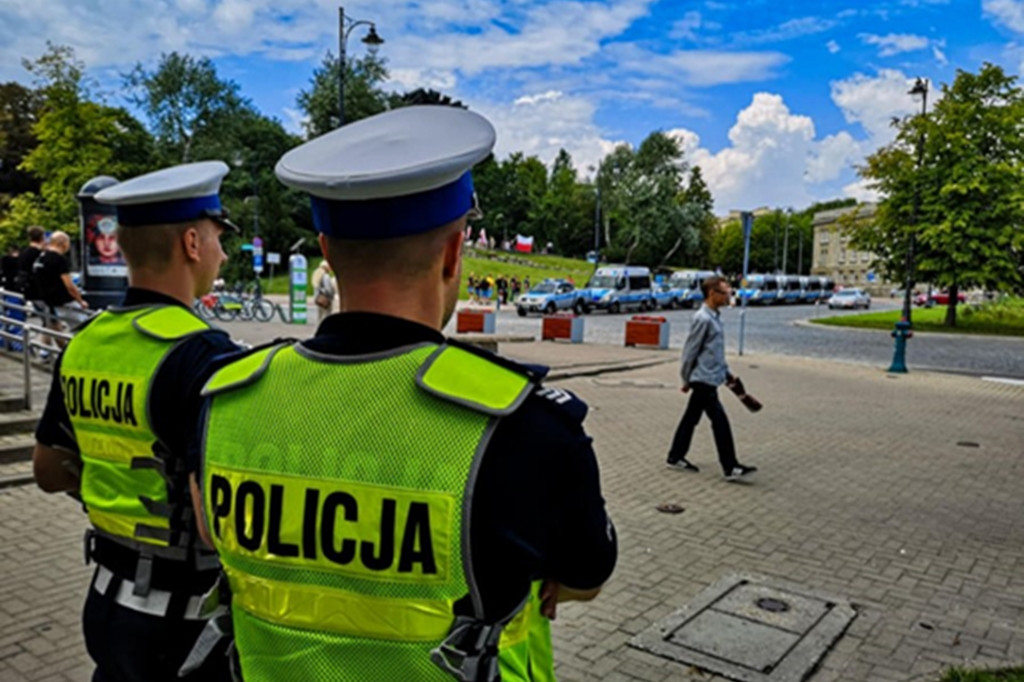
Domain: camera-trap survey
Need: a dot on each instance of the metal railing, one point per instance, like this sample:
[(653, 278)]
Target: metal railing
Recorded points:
[(23, 337)]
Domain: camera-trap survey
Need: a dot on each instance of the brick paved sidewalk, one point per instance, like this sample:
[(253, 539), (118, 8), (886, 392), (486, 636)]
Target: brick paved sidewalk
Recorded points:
[(863, 493)]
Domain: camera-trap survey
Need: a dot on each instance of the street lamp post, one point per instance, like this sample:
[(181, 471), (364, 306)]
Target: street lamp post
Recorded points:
[(785, 240), (597, 217), (904, 326), (345, 27)]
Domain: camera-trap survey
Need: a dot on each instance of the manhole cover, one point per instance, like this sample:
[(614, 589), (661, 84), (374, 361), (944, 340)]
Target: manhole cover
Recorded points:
[(772, 605), (750, 629)]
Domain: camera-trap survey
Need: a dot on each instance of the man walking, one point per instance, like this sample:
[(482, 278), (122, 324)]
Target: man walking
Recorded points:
[(703, 370), (51, 275), (118, 424), (389, 504)]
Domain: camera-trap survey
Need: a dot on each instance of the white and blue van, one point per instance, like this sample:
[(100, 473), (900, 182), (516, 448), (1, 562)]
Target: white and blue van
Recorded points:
[(760, 290), (810, 289), (789, 288), (828, 287), (618, 287), (690, 282)]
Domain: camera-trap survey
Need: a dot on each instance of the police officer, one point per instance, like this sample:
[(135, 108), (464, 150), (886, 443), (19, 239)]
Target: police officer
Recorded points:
[(116, 427), (389, 504)]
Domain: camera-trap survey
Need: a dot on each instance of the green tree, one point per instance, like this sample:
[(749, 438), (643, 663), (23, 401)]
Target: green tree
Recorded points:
[(363, 95), (964, 199), (78, 139), (186, 103), (697, 197), (19, 111)]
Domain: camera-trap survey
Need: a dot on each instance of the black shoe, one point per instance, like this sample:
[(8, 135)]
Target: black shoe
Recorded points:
[(740, 473), (682, 464)]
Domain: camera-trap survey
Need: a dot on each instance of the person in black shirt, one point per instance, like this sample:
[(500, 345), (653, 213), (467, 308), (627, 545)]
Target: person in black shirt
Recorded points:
[(26, 259), (51, 276), (144, 611), (9, 268)]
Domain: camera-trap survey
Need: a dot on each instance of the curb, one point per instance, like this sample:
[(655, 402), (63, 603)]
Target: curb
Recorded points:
[(809, 322), (16, 480)]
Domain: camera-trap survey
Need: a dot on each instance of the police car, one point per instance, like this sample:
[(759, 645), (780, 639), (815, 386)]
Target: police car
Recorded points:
[(617, 287), (667, 296), (550, 296)]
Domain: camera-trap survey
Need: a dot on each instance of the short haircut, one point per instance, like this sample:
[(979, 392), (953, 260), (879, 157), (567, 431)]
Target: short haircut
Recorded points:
[(710, 283), (60, 237), (151, 247), (36, 233), (402, 257)]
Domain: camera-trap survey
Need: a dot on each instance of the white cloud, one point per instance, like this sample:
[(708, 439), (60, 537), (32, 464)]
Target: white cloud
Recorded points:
[(939, 55), (874, 101), (539, 125), (700, 68), (833, 46), (787, 30), (773, 157), (860, 191), (895, 43), (431, 79), (1008, 13), (294, 121), (685, 28)]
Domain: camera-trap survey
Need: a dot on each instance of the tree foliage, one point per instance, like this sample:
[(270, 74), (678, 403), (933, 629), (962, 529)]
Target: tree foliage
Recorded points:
[(19, 111), (954, 180), (186, 103), (363, 94)]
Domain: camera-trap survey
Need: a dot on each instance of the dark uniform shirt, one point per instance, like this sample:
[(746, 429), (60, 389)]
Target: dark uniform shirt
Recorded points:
[(537, 508), (173, 392)]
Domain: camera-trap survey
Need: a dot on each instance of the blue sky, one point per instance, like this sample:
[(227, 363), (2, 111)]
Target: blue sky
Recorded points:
[(776, 101)]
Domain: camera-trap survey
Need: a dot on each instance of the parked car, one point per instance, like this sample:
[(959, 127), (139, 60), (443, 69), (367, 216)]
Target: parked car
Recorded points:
[(550, 296), (939, 298), (850, 298)]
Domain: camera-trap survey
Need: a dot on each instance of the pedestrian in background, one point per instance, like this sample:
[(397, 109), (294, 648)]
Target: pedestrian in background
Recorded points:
[(26, 259), (325, 287), (51, 274), (703, 370)]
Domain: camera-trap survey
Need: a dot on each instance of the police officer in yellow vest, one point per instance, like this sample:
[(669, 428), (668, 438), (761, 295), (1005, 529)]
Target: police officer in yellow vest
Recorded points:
[(388, 504), (117, 423)]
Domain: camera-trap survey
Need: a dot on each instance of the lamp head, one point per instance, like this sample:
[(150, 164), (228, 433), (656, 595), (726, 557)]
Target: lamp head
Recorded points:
[(371, 38)]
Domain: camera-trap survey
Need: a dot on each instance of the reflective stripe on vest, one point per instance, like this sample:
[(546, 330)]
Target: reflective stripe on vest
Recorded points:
[(334, 490), (106, 372)]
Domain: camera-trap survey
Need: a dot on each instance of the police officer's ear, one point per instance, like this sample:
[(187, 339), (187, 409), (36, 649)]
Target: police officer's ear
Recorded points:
[(190, 243), (452, 254)]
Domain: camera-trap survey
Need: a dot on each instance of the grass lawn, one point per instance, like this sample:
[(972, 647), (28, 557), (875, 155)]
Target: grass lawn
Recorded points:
[(1004, 318), (1002, 675), (480, 263)]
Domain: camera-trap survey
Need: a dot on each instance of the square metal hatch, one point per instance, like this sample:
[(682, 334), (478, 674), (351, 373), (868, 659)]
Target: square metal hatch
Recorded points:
[(751, 629)]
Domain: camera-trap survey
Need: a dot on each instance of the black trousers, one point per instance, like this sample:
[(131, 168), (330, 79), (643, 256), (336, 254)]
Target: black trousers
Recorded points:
[(128, 646), (704, 399)]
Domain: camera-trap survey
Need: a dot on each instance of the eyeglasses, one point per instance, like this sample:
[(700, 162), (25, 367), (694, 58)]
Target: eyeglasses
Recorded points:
[(723, 291)]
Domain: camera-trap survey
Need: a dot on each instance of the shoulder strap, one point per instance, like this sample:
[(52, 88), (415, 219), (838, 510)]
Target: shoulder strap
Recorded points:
[(244, 371), (169, 323), (474, 381)]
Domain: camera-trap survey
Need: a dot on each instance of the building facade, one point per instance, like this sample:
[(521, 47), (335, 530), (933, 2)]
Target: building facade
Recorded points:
[(834, 257)]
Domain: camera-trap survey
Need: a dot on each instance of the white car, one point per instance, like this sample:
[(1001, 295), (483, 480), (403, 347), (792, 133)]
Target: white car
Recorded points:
[(850, 298)]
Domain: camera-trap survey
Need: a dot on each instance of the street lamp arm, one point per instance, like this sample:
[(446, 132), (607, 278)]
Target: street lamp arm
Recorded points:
[(353, 24)]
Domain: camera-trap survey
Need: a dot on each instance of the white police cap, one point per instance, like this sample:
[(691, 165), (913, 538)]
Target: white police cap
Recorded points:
[(395, 174), (172, 195)]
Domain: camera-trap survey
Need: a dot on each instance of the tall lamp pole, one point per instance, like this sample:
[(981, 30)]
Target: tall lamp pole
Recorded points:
[(345, 27), (597, 216), (903, 327)]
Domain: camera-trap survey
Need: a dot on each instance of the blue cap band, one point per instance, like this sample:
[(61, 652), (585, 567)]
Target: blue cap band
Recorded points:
[(172, 211), (392, 217)]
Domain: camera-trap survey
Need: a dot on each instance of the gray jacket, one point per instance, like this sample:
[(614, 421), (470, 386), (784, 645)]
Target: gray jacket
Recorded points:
[(704, 351)]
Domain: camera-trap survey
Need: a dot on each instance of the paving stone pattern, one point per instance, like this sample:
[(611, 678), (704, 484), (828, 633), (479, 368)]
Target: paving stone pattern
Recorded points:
[(863, 493)]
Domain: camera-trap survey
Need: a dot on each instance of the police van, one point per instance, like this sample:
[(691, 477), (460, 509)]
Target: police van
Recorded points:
[(810, 289), (789, 288), (618, 287), (550, 296), (689, 283), (761, 290)]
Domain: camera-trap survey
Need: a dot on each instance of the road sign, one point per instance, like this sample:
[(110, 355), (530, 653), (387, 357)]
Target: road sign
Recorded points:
[(273, 258), (257, 255)]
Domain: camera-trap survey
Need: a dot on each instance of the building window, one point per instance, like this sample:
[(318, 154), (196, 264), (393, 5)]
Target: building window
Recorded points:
[(842, 255), (825, 235), (865, 256)]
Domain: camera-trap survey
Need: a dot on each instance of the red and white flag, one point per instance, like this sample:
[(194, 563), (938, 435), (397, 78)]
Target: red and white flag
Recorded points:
[(524, 244)]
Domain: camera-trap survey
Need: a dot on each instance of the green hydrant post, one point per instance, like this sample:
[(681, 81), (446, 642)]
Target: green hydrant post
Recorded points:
[(899, 358)]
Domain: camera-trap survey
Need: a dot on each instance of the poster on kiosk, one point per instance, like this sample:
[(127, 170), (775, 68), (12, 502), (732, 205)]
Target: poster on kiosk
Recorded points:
[(104, 272)]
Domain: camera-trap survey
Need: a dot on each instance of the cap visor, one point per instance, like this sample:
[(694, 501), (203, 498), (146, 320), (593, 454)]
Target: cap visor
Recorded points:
[(226, 224)]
